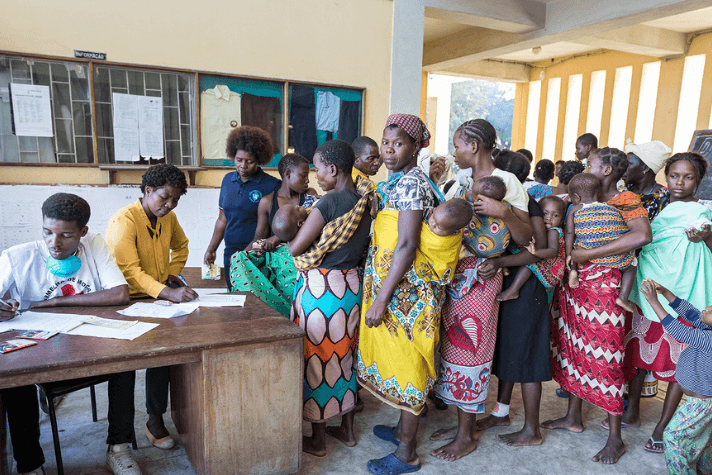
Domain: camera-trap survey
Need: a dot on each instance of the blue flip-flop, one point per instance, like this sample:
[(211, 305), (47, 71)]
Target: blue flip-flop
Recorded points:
[(390, 465), (560, 393), (385, 433)]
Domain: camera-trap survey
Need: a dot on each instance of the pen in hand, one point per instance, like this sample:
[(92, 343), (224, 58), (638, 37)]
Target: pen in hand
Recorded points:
[(7, 304)]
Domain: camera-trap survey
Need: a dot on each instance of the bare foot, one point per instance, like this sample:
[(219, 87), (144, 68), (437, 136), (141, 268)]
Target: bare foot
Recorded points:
[(563, 423), (521, 438), (610, 453), (573, 279), (311, 447), (458, 448), (444, 434), (625, 305), (339, 433), (508, 294), (492, 421)]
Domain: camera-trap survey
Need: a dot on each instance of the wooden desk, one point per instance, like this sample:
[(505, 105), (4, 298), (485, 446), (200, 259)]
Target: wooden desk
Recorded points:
[(236, 380)]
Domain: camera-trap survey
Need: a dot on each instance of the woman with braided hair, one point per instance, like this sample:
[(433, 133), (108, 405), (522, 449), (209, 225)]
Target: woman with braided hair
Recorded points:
[(588, 343), (470, 314)]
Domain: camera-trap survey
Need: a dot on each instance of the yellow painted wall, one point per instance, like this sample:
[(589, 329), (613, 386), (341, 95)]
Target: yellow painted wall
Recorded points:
[(344, 43), (668, 95)]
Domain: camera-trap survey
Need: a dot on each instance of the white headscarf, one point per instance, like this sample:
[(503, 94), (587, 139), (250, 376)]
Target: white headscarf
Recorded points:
[(653, 154)]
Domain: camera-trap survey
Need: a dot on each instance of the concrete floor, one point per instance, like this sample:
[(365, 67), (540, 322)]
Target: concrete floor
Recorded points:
[(83, 441)]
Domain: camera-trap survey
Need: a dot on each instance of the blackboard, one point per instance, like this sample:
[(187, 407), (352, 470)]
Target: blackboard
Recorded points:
[(702, 143)]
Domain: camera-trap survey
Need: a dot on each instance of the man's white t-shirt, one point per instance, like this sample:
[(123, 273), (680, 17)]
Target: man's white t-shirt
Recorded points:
[(24, 273)]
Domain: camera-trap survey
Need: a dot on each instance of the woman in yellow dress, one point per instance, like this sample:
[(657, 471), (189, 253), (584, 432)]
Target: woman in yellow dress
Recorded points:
[(406, 273)]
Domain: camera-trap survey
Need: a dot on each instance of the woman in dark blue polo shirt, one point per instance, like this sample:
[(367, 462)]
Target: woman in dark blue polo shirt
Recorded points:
[(241, 192)]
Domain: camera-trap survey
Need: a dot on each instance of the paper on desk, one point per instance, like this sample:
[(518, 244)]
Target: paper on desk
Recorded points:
[(110, 322), (221, 300), (146, 309), (51, 322), (130, 333)]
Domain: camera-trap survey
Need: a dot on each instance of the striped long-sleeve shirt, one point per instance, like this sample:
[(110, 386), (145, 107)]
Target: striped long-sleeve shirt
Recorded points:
[(694, 368)]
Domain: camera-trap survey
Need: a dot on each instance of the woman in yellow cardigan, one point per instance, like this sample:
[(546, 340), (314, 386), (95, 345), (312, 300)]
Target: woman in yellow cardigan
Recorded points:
[(151, 248)]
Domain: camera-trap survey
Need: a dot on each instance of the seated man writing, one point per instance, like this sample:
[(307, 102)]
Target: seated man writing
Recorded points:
[(70, 267), (151, 248)]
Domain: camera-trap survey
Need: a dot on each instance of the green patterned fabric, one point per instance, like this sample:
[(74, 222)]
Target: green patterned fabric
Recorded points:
[(268, 275)]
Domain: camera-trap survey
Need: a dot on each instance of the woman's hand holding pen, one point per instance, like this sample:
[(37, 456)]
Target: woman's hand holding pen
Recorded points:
[(8, 309)]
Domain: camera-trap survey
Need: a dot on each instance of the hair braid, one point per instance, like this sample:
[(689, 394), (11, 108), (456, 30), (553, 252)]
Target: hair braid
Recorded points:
[(616, 159), (481, 131)]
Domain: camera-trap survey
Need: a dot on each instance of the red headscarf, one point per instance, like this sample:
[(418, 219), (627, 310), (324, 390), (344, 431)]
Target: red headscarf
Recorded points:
[(412, 125)]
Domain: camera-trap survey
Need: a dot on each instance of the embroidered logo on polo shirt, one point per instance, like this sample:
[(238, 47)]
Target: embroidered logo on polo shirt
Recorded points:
[(255, 196)]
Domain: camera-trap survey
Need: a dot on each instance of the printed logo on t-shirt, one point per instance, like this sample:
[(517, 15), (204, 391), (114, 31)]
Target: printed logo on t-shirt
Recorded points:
[(70, 286), (255, 196)]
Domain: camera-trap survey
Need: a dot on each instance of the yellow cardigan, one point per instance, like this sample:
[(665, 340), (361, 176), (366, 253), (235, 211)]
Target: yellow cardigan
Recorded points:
[(146, 255)]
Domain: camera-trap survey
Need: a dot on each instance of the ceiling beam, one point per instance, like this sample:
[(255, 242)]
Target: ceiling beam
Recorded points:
[(565, 21), (639, 39), (490, 70), (514, 16)]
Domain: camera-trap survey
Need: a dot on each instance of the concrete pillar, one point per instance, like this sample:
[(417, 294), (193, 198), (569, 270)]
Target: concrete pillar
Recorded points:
[(407, 58)]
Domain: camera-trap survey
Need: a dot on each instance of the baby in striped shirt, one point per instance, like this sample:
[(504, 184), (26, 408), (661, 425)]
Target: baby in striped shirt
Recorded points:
[(687, 436)]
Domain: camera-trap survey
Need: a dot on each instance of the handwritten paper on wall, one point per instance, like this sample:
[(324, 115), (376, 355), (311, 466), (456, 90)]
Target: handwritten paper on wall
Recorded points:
[(138, 127), (32, 110)]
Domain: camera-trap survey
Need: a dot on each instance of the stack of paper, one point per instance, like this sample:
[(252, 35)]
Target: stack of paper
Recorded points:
[(159, 310)]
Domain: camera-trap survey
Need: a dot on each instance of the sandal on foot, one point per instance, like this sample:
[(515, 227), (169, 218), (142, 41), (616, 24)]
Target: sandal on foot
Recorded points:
[(390, 465), (650, 446), (385, 433), (562, 393), (604, 424)]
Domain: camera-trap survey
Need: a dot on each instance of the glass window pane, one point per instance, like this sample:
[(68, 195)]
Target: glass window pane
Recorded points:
[(170, 123), (29, 157), (153, 93), (104, 123), (153, 81), (28, 144), (65, 139), (184, 107), (85, 150), (20, 69), (170, 89), (82, 118), (40, 72), (101, 85), (46, 146), (61, 101), (183, 83), (106, 150), (136, 82), (185, 141), (8, 148), (63, 158), (80, 84), (173, 152), (118, 78), (120, 90), (59, 72)]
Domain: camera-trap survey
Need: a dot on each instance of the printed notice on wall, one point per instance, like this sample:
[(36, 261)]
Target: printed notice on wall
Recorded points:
[(126, 142), (138, 127), (32, 110), (150, 126)]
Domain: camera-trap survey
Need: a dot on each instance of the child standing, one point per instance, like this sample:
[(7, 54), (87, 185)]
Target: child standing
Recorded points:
[(591, 224), (327, 295), (687, 437), (550, 269)]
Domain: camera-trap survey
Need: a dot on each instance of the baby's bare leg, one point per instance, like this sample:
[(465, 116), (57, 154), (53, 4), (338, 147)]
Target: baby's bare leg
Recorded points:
[(512, 292), (627, 283)]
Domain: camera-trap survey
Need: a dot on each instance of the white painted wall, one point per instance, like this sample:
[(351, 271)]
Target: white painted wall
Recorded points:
[(21, 213)]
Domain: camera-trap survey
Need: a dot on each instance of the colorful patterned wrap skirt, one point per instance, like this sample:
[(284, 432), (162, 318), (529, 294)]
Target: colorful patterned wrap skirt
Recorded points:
[(597, 224), (587, 338), (396, 360), (268, 275), (467, 345), (327, 306)]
